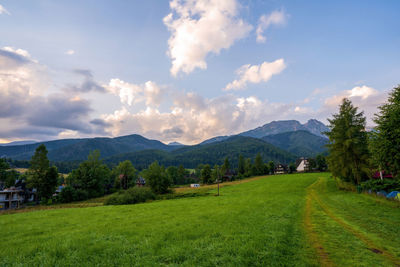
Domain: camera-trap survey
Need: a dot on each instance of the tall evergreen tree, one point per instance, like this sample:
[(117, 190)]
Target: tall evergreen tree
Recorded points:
[(386, 139), (206, 174), (226, 166), (241, 165), (259, 165), (348, 144), (40, 175)]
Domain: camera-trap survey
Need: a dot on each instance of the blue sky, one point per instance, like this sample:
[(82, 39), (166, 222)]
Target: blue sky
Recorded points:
[(328, 50)]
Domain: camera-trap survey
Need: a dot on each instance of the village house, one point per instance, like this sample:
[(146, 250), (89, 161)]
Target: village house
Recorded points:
[(11, 198), (281, 169), (302, 165)]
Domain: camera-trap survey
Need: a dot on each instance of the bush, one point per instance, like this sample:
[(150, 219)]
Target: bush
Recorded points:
[(131, 196), (68, 194), (81, 195), (377, 185)]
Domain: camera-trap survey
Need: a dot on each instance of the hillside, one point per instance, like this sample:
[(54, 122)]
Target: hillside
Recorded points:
[(276, 127), (300, 143), (79, 149), (214, 153), (280, 220)]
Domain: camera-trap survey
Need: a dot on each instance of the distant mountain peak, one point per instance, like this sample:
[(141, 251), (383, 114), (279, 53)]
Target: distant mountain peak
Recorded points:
[(275, 127)]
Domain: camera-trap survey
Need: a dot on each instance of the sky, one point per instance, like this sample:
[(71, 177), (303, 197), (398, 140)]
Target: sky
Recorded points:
[(189, 70)]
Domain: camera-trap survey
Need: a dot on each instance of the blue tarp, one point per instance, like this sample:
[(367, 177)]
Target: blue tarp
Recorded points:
[(392, 194)]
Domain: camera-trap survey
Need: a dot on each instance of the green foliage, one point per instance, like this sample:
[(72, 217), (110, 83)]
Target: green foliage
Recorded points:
[(40, 175), (241, 165), (172, 173), (216, 173), (320, 161), (131, 196), (7, 176), (348, 147), (271, 167), (4, 166), (157, 178), (206, 174), (67, 194), (259, 165), (377, 185), (292, 167), (91, 176), (125, 175), (385, 142), (312, 164)]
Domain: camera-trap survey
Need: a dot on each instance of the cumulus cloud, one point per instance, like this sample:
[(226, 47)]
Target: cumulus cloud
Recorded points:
[(366, 98), (199, 28), (265, 21), (256, 74), (27, 110), (193, 118), (130, 93), (3, 10)]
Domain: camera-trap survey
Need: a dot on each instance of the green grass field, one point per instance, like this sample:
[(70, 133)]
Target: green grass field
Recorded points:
[(282, 220)]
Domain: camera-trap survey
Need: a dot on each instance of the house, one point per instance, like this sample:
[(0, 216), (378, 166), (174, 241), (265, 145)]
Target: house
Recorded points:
[(228, 175), (302, 165), (11, 198), (140, 182), (281, 169)]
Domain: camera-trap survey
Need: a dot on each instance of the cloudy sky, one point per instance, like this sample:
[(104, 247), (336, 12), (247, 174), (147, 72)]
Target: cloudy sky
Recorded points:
[(188, 70)]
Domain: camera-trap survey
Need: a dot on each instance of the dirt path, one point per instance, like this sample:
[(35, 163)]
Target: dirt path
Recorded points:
[(312, 236), (313, 195)]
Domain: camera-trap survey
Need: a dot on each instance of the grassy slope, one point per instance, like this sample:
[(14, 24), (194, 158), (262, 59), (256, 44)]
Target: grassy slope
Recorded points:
[(289, 220), (256, 223)]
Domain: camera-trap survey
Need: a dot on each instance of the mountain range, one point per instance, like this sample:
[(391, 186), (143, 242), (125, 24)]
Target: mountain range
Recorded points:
[(280, 141)]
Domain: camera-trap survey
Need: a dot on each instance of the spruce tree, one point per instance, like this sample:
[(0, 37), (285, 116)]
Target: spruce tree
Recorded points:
[(386, 138), (348, 144)]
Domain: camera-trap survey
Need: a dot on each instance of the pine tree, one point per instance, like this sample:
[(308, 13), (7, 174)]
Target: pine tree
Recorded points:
[(38, 174), (241, 165), (258, 163), (386, 138), (348, 144)]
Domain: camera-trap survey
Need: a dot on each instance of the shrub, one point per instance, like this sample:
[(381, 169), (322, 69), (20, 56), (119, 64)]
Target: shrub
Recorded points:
[(81, 195), (377, 185), (68, 194), (131, 196)]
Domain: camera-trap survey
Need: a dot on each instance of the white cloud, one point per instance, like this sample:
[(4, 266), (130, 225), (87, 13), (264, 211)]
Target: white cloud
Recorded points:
[(256, 74), (366, 98), (199, 28), (192, 118), (3, 10), (275, 18), (70, 52), (130, 94)]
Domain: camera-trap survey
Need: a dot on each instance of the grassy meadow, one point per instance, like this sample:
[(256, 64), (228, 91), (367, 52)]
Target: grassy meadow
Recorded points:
[(281, 220)]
